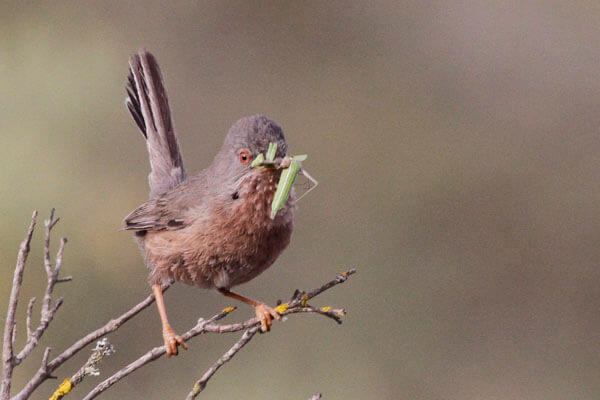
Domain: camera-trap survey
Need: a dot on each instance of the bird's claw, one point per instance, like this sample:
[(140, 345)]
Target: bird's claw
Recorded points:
[(264, 314), (172, 341)]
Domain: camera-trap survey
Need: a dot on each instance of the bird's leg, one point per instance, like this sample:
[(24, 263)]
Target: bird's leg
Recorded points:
[(169, 336), (264, 313)]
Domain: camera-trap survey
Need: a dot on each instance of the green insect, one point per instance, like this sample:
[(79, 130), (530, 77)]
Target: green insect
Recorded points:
[(287, 178), (258, 161), (271, 151)]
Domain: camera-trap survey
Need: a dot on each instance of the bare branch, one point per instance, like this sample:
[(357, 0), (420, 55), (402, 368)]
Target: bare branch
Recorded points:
[(49, 224), (90, 368), (297, 304), (33, 340), (51, 274), (59, 257), (110, 326), (251, 326), (48, 310), (28, 316), (43, 370), (341, 278), (152, 355), (9, 326), (201, 383), (45, 357), (44, 363)]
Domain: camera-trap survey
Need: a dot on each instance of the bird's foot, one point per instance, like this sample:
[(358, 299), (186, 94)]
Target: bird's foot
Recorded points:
[(172, 341), (264, 314)]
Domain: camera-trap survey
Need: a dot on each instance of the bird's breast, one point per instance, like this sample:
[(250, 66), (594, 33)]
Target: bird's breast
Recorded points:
[(237, 242)]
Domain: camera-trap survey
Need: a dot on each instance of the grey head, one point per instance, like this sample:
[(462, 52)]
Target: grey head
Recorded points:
[(254, 134), (246, 139)]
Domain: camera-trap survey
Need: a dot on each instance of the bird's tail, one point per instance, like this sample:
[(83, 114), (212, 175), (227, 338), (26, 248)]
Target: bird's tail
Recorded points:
[(149, 106)]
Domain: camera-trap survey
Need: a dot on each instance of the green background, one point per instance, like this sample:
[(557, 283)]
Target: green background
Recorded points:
[(456, 144)]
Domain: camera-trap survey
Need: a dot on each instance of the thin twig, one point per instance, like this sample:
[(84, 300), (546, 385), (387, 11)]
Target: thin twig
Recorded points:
[(229, 354), (341, 278), (49, 224), (152, 355), (9, 326), (44, 363), (251, 326), (297, 304), (110, 326), (48, 310), (90, 368), (28, 317)]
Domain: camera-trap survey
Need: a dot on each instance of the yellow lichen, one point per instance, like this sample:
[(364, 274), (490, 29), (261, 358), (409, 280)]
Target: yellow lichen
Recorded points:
[(196, 388), (62, 390), (304, 300), (325, 309), (228, 309), (281, 308)]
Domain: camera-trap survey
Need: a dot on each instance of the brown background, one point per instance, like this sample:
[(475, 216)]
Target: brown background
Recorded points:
[(456, 143)]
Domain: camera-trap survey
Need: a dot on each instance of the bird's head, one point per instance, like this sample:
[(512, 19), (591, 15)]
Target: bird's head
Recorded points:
[(247, 138)]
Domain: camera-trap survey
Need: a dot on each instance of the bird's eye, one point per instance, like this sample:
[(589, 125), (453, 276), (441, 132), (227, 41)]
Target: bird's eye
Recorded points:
[(244, 156)]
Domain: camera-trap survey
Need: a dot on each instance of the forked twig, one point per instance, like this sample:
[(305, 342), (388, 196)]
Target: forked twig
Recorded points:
[(111, 326), (48, 310), (227, 356), (8, 359), (297, 304)]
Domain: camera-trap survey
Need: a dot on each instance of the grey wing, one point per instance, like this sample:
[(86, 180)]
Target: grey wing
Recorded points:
[(173, 210), (156, 215), (149, 106)]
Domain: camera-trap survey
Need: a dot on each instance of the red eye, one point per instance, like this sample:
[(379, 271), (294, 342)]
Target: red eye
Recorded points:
[(244, 156)]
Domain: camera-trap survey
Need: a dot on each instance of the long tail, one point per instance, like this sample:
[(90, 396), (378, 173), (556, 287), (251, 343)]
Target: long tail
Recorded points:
[(149, 106)]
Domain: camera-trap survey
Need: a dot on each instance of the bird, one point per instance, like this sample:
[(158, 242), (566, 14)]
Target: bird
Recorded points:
[(211, 230)]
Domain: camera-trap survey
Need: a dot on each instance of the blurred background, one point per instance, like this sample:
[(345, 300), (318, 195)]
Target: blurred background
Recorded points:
[(456, 144)]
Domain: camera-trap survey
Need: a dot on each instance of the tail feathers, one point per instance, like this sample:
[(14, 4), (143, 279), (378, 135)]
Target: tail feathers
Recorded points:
[(133, 104), (149, 106)]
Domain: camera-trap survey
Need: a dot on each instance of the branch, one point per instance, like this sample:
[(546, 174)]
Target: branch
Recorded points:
[(10, 360), (90, 368), (296, 305), (111, 326), (229, 354), (152, 355), (48, 310), (9, 326)]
